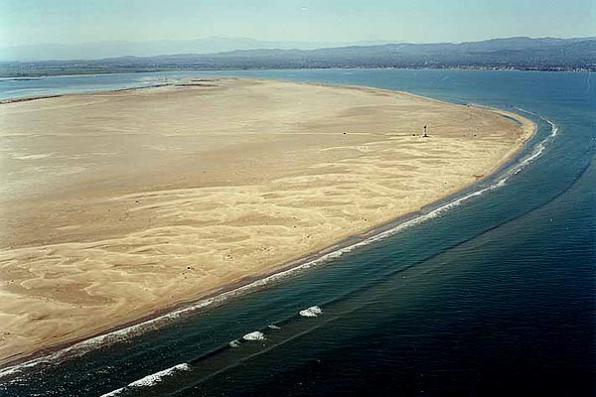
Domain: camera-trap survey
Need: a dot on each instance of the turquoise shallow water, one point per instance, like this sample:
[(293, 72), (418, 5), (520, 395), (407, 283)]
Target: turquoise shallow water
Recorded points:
[(493, 297)]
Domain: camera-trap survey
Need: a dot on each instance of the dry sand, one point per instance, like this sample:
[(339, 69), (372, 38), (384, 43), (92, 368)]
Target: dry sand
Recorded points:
[(116, 205)]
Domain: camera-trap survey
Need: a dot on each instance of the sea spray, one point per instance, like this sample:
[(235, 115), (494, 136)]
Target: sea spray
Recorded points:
[(312, 311), (149, 380), (254, 336)]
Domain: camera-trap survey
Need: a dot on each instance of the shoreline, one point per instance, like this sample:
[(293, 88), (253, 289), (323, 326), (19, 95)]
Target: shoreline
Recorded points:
[(504, 169), (68, 94), (206, 70)]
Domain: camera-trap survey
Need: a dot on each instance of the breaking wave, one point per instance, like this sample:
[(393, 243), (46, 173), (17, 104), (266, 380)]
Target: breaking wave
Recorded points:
[(254, 336), (312, 311), (149, 380)]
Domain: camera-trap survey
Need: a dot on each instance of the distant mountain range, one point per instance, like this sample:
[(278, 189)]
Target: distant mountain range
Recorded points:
[(512, 53), (111, 49)]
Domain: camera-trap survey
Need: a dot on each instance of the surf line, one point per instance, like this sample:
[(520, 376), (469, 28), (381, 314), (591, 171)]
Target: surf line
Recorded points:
[(149, 380), (82, 347)]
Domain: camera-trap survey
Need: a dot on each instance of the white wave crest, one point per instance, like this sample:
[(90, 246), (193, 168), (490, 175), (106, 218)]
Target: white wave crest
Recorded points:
[(253, 336), (150, 380), (273, 326), (312, 311), (234, 343), (113, 393)]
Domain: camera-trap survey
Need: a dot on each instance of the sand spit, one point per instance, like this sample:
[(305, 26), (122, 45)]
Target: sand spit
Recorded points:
[(155, 197)]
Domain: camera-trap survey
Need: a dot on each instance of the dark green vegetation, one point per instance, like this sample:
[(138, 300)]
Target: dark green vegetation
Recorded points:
[(500, 54)]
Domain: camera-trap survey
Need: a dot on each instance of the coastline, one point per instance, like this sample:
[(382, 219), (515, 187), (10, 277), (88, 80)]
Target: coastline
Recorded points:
[(246, 285), (50, 96), (470, 68)]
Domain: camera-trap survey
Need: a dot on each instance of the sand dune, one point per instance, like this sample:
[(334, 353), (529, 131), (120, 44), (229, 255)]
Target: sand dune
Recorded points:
[(116, 205)]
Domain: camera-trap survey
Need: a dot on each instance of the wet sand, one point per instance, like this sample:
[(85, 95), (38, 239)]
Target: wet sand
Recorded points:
[(118, 205)]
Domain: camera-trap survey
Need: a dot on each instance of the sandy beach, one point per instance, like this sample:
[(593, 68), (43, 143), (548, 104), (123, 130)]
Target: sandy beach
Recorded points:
[(115, 206)]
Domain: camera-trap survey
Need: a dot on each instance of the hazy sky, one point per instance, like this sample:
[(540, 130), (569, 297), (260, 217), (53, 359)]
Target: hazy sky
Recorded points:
[(76, 21)]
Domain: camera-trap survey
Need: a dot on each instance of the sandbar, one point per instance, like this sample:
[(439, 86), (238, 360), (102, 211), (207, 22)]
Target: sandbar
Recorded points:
[(118, 205)]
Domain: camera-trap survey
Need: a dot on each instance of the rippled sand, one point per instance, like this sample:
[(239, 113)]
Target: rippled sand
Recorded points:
[(116, 206)]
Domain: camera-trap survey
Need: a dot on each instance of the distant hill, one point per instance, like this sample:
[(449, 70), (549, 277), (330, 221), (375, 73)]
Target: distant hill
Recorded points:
[(520, 53), (111, 49)]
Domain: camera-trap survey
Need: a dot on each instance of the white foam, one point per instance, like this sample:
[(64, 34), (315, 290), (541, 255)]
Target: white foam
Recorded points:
[(234, 343), (312, 311), (150, 380), (273, 326), (135, 330), (87, 345), (113, 393), (254, 336)]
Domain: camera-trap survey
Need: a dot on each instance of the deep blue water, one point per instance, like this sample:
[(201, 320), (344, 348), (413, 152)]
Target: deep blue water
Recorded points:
[(495, 297)]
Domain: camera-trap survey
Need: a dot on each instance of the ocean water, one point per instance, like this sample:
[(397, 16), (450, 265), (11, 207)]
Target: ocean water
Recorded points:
[(492, 295)]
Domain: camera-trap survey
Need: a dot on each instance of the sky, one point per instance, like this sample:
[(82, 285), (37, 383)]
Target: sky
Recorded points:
[(25, 22)]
